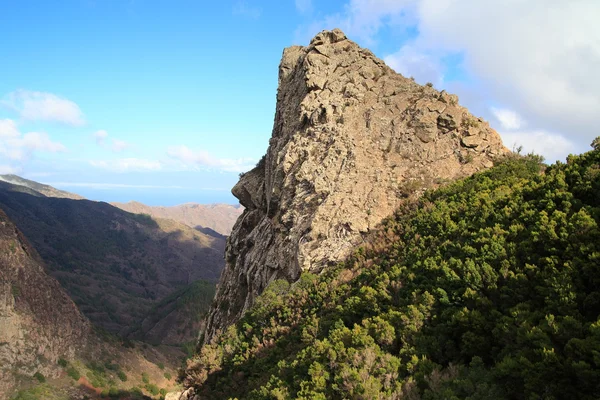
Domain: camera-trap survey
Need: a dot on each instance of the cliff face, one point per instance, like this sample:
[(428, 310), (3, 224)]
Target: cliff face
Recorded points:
[(351, 139), (39, 323)]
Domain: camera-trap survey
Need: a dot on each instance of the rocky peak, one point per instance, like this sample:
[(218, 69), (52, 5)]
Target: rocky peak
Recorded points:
[(351, 140)]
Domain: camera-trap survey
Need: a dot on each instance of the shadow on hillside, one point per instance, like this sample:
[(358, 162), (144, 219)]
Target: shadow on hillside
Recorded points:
[(114, 264)]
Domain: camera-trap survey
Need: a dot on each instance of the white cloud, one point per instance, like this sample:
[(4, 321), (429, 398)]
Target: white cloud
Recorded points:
[(16, 148), (41, 106), (362, 19), (127, 165), (551, 145), (304, 6), (201, 158), (119, 145), (545, 65), (412, 63), (539, 58), (39, 141), (8, 129), (508, 119), (100, 137)]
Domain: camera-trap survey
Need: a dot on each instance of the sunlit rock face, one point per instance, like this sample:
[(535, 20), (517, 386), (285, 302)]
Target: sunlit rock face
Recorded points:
[(351, 140)]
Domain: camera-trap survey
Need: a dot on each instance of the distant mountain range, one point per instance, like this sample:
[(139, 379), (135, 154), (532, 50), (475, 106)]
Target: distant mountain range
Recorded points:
[(40, 188), (119, 266), (218, 217)]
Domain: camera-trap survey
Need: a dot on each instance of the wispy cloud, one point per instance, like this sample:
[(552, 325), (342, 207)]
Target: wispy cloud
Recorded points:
[(100, 137), (41, 106), (202, 159), (508, 119), (19, 148), (244, 9), (119, 145), (127, 165), (553, 146), (116, 146), (544, 67), (8, 129), (411, 62)]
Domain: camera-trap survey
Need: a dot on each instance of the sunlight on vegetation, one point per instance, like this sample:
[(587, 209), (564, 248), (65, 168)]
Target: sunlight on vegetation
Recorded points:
[(488, 288)]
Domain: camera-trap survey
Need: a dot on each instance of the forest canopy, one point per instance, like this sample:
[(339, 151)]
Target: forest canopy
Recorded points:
[(488, 288)]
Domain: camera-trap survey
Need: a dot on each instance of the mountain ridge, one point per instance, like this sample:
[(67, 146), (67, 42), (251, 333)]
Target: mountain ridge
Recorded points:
[(114, 264), (218, 217)]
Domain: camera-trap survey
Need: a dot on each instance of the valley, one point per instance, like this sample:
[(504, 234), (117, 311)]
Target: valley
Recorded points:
[(387, 245)]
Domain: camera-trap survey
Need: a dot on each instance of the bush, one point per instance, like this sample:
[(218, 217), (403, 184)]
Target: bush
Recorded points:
[(122, 376), (152, 388), (145, 378), (41, 378), (161, 365), (73, 373), (62, 362), (168, 376)]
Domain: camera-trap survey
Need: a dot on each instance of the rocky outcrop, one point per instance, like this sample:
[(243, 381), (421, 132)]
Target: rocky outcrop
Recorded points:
[(351, 139), (39, 323)]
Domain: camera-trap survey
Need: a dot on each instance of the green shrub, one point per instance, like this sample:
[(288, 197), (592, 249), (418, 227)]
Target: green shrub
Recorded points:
[(152, 388), (73, 373), (168, 376), (41, 378), (161, 365), (62, 362), (122, 376), (487, 288), (145, 377)]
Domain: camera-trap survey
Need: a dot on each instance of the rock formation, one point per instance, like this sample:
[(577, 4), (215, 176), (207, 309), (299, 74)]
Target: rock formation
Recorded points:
[(351, 139), (39, 323)]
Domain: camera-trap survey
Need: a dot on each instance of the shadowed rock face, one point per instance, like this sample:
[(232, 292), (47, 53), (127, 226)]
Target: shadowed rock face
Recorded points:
[(351, 140), (39, 323)]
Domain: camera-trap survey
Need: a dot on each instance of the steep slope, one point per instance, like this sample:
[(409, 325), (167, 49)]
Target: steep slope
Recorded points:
[(45, 190), (39, 323), (351, 139), (179, 317), (48, 349), (486, 289), (218, 217), (115, 265)]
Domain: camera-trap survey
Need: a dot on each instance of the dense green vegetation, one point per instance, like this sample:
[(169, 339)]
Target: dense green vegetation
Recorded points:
[(176, 319), (488, 288)]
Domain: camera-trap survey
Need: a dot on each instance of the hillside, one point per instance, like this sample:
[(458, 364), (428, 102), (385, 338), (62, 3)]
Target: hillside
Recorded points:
[(177, 318), (45, 190), (116, 266), (218, 217), (49, 350), (38, 321), (488, 288)]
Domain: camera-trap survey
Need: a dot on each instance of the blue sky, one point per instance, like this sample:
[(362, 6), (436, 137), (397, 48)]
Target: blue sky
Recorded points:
[(166, 102)]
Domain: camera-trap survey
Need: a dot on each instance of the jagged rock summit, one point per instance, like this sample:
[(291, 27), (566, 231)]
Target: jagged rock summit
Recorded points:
[(351, 139)]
